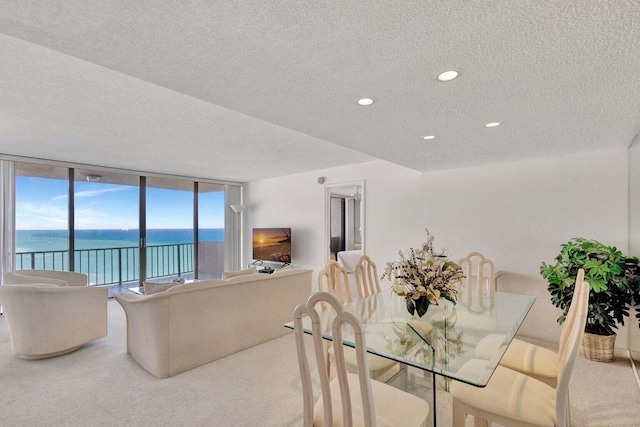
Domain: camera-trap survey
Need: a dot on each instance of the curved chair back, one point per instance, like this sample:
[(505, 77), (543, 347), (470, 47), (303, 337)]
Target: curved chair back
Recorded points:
[(567, 326), (569, 351), (309, 309), (47, 320), (334, 278), (367, 279), (479, 281), (60, 278)]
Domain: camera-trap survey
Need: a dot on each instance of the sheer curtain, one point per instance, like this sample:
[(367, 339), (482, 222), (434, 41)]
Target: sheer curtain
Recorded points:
[(232, 229), (7, 200)]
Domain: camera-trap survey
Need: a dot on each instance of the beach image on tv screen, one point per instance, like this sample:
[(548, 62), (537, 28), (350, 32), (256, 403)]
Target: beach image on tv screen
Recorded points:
[(272, 244)]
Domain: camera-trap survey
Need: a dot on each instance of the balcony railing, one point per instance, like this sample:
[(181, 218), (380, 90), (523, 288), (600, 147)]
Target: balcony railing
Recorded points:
[(108, 266)]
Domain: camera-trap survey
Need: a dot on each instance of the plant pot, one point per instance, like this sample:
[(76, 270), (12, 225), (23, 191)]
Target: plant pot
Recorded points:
[(599, 348)]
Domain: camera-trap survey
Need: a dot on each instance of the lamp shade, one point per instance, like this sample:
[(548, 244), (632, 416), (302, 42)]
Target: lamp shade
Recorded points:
[(237, 208)]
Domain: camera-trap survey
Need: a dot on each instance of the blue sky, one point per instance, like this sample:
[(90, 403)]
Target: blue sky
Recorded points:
[(42, 204)]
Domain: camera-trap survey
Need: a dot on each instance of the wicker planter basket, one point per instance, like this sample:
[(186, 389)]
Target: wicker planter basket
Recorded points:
[(598, 348)]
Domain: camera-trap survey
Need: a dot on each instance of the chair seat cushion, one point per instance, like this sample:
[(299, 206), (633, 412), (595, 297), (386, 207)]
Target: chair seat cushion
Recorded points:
[(393, 407), (377, 364), (509, 394), (520, 356)]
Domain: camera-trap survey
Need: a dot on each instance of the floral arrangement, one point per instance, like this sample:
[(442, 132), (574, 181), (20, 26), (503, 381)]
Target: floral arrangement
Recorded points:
[(423, 277)]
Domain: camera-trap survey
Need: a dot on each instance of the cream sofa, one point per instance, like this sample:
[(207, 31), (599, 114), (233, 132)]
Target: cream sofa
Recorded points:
[(192, 324), (50, 313)]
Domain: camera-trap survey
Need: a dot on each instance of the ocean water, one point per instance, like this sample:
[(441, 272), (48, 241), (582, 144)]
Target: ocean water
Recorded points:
[(55, 240)]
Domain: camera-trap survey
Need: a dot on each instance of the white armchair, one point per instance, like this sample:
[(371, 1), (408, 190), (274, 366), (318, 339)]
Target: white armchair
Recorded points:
[(60, 278), (51, 316)]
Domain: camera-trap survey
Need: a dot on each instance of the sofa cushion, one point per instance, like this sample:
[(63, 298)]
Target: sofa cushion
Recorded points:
[(151, 288), (230, 274), (209, 283), (176, 288), (282, 269)]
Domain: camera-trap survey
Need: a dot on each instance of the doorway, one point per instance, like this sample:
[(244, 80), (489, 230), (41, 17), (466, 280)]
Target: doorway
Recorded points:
[(344, 218)]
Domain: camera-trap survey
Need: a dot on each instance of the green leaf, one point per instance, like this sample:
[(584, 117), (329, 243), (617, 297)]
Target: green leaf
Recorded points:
[(411, 307), (422, 305), (591, 264)]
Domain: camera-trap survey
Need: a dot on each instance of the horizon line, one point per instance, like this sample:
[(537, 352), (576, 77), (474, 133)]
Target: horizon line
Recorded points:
[(112, 229)]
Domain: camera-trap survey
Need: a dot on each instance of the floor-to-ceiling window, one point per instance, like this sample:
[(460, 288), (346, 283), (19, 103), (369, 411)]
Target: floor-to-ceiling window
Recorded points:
[(41, 217), (106, 234), (120, 228), (169, 228)]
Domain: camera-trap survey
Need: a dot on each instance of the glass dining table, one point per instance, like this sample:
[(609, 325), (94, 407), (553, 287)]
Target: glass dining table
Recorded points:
[(441, 341)]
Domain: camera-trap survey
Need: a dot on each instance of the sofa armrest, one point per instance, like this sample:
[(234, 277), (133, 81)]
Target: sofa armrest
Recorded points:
[(147, 330), (128, 298)]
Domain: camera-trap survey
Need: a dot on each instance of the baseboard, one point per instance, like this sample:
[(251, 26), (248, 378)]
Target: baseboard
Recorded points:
[(621, 352), (633, 368)]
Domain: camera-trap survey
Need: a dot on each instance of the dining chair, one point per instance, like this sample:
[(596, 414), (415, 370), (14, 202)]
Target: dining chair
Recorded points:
[(349, 398), (367, 284), (334, 278), (515, 399), (480, 282), (477, 293), (367, 279), (530, 359)]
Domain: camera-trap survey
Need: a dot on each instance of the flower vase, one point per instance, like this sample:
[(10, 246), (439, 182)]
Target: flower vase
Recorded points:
[(444, 321), (446, 317)]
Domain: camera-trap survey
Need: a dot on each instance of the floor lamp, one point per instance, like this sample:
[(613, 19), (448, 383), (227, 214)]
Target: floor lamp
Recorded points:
[(238, 210)]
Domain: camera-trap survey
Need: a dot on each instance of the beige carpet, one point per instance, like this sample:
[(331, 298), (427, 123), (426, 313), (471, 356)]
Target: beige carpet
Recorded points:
[(101, 385)]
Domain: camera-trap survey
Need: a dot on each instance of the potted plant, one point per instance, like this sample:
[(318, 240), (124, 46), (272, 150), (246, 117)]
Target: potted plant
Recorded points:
[(614, 281)]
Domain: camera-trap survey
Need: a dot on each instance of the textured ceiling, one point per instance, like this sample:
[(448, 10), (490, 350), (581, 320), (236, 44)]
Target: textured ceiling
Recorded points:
[(254, 89)]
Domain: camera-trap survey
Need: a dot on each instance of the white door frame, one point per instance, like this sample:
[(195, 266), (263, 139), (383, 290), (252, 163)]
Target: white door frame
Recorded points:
[(334, 189)]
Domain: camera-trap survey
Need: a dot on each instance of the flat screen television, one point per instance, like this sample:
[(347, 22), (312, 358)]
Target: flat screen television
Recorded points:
[(272, 244)]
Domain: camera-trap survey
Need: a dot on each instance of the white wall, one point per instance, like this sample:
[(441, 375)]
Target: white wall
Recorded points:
[(518, 214)]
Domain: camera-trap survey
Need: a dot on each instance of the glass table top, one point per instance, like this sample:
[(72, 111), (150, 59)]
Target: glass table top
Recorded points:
[(444, 339)]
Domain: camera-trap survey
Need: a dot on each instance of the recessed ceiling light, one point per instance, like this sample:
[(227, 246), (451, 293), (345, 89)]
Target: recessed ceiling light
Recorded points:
[(448, 75), (365, 101), (429, 137), (492, 124)]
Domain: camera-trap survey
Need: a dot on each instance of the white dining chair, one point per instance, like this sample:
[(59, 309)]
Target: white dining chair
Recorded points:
[(350, 398), (367, 279), (480, 281), (334, 279), (367, 284), (477, 293), (533, 360), (515, 399)]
